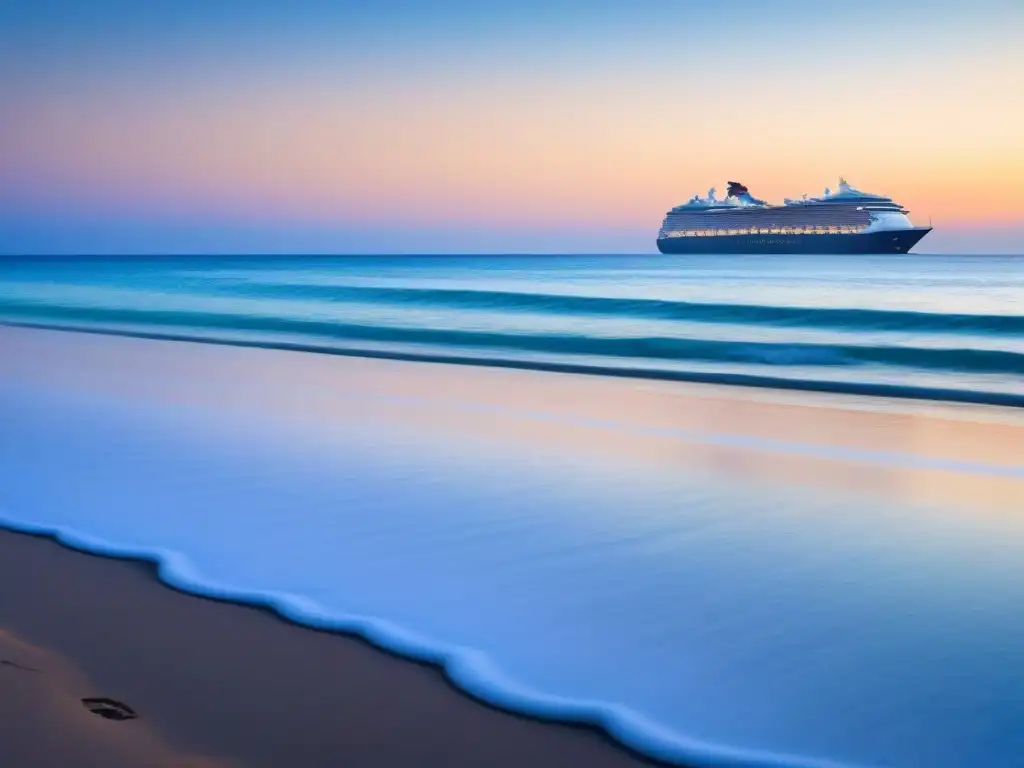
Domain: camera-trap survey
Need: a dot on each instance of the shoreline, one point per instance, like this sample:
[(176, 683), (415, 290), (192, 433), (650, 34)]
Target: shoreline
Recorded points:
[(116, 621), (636, 742)]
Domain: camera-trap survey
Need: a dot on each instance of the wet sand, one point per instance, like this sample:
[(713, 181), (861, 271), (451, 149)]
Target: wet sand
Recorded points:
[(216, 684)]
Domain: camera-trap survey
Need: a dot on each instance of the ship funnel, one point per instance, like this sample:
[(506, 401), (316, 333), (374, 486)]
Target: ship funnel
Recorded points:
[(736, 189)]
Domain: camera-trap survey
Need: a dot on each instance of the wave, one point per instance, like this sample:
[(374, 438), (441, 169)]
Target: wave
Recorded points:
[(803, 384), (653, 309), (773, 354), (468, 669)]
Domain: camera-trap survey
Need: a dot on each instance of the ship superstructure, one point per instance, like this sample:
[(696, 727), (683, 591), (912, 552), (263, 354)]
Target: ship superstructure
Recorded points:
[(846, 221)]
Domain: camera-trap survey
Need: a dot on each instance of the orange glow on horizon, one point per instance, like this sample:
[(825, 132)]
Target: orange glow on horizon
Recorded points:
[(524, 153)]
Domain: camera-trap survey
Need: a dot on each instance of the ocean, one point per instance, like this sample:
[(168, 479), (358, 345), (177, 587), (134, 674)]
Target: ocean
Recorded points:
[(941, 327), (717, 576)]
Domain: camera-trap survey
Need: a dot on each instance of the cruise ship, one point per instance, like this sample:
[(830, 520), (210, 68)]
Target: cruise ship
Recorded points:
[(844, 221)]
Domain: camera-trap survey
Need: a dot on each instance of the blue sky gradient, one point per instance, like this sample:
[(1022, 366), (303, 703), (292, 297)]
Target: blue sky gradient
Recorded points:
[(459, 126)]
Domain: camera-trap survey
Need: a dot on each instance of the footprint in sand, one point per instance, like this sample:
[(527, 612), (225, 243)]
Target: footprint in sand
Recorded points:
[(110, 709)]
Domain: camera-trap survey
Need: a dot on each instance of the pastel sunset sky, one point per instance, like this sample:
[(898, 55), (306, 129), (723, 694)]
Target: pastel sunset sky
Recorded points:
[(564, 125)]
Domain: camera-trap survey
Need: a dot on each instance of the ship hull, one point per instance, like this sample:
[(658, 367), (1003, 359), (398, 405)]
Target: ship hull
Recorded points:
[(894, 241)]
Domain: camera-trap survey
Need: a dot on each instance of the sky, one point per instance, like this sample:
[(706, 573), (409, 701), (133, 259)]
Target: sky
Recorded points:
[(498, 127)]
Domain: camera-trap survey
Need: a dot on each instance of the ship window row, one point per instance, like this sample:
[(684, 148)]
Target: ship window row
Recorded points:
[(804, 230)]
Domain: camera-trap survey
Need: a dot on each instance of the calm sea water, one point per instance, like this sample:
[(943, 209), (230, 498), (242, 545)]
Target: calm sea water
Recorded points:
[(949, 327), (829, 588)]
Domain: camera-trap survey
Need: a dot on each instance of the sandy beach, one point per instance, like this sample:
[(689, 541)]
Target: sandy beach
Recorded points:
[(220, 684)]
